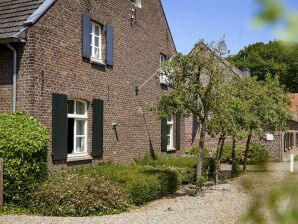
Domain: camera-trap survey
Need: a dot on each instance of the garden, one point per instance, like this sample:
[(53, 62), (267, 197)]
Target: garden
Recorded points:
[(101, 189)]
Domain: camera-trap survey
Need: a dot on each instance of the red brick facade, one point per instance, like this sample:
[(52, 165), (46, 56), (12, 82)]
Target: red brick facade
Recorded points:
[(51, 62), (276, 147)]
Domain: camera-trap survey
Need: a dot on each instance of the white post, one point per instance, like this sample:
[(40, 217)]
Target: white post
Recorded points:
[(292, 164)]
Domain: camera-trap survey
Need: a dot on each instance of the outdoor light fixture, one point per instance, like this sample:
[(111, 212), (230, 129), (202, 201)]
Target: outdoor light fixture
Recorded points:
[(115, 125)]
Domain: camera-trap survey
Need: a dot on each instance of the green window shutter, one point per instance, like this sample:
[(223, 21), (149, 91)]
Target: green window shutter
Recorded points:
[(178, 131), (97, 128), (86, 38), (164, 138), (59, 127), (110, 45)]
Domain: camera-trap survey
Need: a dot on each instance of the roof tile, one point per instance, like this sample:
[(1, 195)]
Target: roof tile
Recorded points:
[(13, 14)]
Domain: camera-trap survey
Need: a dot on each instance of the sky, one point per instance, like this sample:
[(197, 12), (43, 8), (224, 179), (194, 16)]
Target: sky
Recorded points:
[(211, 20)]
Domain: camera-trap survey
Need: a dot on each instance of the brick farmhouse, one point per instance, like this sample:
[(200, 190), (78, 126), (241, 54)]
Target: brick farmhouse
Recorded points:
[(85, 69)]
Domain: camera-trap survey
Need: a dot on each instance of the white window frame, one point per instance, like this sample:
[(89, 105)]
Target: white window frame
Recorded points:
[(162, 58), (93, 44), (163, 79), (79, 117), (137, 3), (170, 122)]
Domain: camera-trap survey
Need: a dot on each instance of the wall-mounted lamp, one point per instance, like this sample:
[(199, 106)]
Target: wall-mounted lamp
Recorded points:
[(115, 125), (115, 130)]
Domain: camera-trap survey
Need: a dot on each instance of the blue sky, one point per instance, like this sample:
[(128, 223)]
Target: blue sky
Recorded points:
[(191, 20)]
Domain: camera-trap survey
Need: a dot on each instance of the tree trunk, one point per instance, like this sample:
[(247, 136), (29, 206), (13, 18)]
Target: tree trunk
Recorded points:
[(200, 157), (246, 150), (234, 158), (220, 146)]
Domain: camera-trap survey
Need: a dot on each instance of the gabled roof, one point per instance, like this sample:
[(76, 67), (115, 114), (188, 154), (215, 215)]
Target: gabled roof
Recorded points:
[(233, 69), (16, 15)]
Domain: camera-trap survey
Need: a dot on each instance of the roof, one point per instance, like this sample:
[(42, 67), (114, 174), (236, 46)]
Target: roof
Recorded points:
[(232, 68), (294, 103), (16, 15)]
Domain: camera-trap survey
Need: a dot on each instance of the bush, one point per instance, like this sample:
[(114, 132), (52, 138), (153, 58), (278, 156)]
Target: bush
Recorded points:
[(194, 151), (70, 194), (227, 154), (257, 154), (143, 183), (208, 166), (23, 147), (184, 166)]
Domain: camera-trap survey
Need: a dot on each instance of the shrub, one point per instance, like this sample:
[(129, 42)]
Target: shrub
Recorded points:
[(184, 166), (227, 154), (236, 170), (154, 184), (178, 161), (70, 194), (23, 147), (208, 166), (194, 151), (257, 154), (296, 158), (143, 183)]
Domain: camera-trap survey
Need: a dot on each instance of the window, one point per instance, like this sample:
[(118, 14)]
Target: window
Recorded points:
[(77, 128), (163, 78), (170, 131), (137, 3), (162, 58), (96, 51)]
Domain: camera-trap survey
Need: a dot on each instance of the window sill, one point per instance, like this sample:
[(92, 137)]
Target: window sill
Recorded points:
[(97, 62), (170, 149), (78, 158)]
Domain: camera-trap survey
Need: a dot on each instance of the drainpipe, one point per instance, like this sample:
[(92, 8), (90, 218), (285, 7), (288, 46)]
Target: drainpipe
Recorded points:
[(14, 93)]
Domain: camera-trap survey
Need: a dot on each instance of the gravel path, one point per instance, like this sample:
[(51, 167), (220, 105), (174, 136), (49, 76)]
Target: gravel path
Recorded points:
[(225, 203), (220, 204)]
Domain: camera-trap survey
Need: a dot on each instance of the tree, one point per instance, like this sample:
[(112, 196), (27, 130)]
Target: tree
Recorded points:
[(228, 118), (269, 107), (276, 58), (194, 81)]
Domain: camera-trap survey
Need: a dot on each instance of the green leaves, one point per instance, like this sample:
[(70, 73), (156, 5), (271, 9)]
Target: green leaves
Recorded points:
[(274, 12), (194, 80), (249, 105), (276, 58), (23, 147)]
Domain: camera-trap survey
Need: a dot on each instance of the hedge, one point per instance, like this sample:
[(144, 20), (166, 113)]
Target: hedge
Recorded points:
[(71, 194), (23, 147), (257, 154)]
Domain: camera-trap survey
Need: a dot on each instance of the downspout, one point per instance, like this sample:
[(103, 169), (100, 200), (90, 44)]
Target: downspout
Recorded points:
[(14, 91)]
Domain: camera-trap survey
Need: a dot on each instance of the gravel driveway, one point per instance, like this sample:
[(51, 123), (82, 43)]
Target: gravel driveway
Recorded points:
[(224, 203), (220, 204)]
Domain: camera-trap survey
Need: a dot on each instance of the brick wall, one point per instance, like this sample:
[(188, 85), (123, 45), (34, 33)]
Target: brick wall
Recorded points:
[(5, 79), (52, 62), (275, 147)]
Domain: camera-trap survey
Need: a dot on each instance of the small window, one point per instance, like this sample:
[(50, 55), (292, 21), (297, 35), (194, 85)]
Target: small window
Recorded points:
[(96, 48), (137, 3), (77, 128), (163, 78), (162, 58), (170, 131)]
